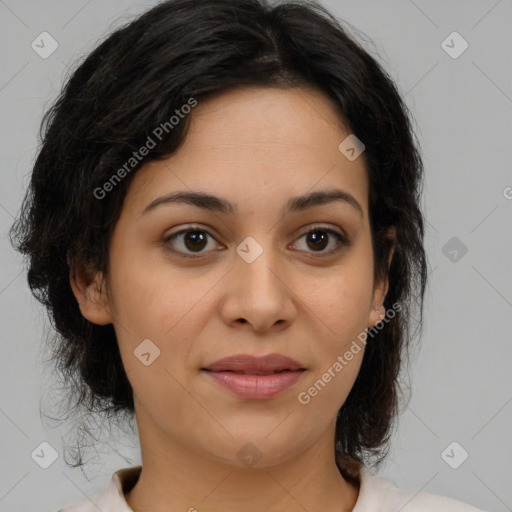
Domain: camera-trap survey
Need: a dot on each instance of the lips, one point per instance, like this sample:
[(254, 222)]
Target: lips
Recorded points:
[(255, 378), (250, 365)]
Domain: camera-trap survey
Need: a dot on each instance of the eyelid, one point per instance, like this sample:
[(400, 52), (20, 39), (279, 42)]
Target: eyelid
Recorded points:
[(321, 227), (341, 238)]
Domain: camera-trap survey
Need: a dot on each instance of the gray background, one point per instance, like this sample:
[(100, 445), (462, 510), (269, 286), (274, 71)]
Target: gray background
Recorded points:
[(462, 383)]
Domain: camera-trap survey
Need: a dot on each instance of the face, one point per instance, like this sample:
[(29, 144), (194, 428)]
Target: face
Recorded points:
[(254, 278)]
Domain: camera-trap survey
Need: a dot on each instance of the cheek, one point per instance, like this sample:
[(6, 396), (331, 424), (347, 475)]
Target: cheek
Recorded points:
[(339, 307), (342, 300), (340, 315), (156, 332), (151, 296)]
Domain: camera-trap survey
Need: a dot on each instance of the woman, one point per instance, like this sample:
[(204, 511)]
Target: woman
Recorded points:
[(223, 222)]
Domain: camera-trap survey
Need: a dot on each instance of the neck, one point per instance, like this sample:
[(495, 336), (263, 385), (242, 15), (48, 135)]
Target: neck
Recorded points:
[(175, 478)]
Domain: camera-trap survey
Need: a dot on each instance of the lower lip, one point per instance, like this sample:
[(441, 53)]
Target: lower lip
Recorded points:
[(256, 387)]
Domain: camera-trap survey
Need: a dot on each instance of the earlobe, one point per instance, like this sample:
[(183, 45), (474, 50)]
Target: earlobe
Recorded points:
[(89, 290), (376, 316)]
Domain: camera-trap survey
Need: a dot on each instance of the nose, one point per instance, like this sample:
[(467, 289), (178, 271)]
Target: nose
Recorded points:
[(258, 294)]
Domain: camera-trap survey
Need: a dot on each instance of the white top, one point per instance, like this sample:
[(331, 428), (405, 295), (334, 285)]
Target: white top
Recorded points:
[(376, 494)]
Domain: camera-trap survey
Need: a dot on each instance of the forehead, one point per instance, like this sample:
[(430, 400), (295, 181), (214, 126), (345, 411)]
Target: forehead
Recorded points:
[(255, 145)]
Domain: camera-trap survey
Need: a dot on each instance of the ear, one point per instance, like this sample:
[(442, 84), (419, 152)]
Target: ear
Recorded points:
[(381, 286), (89, 289)]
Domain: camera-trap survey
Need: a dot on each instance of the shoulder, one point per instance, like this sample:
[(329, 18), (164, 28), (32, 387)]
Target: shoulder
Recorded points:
[(111, 498), (379, 493)]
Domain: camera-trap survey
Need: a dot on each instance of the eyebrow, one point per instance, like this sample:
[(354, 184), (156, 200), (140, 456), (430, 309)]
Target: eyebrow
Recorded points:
[(217, 204)]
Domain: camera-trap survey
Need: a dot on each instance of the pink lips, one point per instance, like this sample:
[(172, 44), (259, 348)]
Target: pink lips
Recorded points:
[(255, 377)]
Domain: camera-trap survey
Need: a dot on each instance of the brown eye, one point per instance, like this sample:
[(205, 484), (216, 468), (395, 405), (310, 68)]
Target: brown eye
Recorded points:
[(318, 238), (195, 240), (189, 241)]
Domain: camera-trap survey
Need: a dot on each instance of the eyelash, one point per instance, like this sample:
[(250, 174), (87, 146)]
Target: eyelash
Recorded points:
[(341, 239)]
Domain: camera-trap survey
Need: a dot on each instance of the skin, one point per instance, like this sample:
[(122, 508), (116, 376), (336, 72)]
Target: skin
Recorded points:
[(255, 147)]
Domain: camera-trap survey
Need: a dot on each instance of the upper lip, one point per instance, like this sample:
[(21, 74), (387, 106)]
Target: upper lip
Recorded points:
[(248, 363)]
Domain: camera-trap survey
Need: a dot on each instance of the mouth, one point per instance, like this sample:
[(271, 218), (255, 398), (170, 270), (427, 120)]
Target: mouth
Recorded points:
[(247, 364), (255, 386), (255, 378)]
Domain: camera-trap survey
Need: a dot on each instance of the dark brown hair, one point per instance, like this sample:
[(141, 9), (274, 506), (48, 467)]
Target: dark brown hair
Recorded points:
[(133, 82)]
